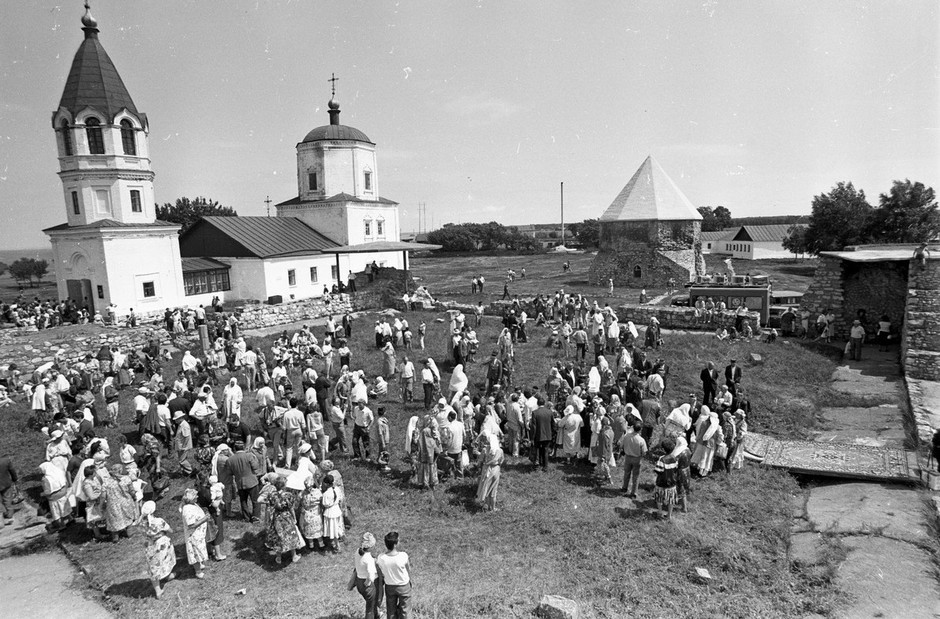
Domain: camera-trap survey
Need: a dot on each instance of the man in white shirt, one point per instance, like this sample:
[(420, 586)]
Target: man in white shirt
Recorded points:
[(250, 363), (406, 376), (427, 382), (338, 420), (452, 437), (395, 576), (857, 335), (141, 404), (293, 425), (363, 419)]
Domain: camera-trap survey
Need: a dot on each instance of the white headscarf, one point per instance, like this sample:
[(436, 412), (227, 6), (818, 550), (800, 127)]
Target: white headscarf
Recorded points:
[(458, 379), (710, 418), (679, 418), (594, 380)]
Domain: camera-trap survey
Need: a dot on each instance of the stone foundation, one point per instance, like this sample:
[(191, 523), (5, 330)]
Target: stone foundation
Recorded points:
[(656, 267), (920, 341)]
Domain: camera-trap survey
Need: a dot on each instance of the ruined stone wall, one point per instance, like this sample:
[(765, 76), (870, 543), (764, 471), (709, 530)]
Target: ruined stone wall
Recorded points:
[(826, 291), (876, 288), (656, 268), (920, 337)]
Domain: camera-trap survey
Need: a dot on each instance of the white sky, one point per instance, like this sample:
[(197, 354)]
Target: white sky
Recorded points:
[(480, 108)]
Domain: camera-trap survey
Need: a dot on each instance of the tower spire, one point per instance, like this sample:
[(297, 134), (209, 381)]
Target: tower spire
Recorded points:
[(89, 23)]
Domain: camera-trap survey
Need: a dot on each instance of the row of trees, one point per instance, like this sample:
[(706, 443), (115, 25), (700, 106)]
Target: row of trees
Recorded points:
[(26, 270), (908, 213), (470, 237)]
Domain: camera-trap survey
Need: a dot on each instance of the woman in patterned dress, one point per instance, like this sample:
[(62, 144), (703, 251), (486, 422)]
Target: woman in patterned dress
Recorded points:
[(282, 536), (310, 517), (120, 505), (161, 557), (91, 493), (195, 523)]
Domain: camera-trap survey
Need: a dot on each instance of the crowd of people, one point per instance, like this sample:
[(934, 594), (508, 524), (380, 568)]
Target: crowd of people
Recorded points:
[(601, 405)]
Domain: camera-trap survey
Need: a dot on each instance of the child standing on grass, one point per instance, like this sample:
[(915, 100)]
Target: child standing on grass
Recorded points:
[(666, 469)]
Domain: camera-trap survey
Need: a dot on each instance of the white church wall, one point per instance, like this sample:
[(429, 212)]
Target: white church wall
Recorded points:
[(358, 262), (137, 261), (330, 219), (278, 282), (247, 279), (359, 213), (80, 258)]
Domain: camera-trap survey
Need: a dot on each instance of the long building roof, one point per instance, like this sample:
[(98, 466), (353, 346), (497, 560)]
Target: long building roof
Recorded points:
[(260, 237)]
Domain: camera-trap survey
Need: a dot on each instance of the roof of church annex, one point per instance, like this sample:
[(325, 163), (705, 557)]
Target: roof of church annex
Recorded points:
[(252, 237), (93, 80), (340, 197), (651, 195), (334, 130)]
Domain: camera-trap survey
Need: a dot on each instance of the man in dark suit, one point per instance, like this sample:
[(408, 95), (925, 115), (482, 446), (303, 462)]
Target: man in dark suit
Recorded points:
[(709, 378), (542, 431), (245, 470), (733, 376)]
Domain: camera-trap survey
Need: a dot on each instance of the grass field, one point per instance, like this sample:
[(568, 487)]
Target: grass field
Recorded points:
[(448, 276), (555, 532)]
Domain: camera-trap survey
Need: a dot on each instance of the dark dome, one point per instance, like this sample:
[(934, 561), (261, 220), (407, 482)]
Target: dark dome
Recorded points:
[(337, 132)]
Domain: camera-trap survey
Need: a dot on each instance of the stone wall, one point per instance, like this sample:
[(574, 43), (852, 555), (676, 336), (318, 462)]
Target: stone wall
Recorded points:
[(30, 350), (656, 268), (920, 342), (874, 288), (826, 291)]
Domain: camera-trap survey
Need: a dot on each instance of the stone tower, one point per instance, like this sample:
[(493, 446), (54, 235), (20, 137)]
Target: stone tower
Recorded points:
[(649, 233), (112, 248)]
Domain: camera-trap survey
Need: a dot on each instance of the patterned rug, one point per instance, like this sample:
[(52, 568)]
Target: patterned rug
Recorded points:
[(832, 459)]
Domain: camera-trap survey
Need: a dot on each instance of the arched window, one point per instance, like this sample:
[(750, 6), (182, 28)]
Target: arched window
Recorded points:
[(637, 272), (66, 138), (128, 140), (95, 138)]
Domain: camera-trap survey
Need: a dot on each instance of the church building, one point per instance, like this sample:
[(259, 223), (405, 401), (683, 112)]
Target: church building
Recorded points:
[(107, 191), (113, 250)]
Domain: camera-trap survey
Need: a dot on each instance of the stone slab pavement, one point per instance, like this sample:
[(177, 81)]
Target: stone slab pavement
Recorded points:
[(875, 426), (925, 404), (41, 585)]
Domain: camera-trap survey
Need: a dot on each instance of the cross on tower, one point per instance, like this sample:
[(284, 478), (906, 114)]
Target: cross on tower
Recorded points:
[(333, 81), (268, 202)]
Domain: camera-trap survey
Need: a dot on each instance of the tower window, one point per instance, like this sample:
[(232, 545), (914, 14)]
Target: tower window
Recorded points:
[(100, 292), (67, 138), (637, 272), (128, 140), (75, 206), (291, 277), (135, 201), (368, 181), (368, 227), (95, 138), (312, 181)]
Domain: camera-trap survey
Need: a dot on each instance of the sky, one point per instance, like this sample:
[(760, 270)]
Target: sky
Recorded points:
[(480, 109)]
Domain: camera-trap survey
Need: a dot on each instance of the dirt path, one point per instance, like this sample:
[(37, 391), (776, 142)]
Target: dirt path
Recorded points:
[(881, 529), (41, 585)]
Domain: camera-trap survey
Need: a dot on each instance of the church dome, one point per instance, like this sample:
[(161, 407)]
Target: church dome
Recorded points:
[(337, 132)]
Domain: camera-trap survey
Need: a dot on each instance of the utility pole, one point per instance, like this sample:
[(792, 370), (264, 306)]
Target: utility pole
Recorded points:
[(267, 201), (562, 213)]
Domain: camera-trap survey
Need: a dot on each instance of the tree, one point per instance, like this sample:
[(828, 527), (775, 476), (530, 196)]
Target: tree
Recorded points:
[(722, 217), (452, 238), (717, 218), (3, 267), (840, 218), (795, 241), (906, 214), (588, 232), (27, 269), (187, 212)]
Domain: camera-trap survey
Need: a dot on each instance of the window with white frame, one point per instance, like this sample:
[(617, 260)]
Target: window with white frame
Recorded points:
[(76, 208), (367, 226), (291, 277), (334, 272), (367, 180), (313, 275), (136, 205), (380, 227)]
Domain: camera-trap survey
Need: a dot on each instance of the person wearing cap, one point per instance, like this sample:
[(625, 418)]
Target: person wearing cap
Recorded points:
[(733, 376), (365, 574), (427, 383), (857, 335), (394, 578)]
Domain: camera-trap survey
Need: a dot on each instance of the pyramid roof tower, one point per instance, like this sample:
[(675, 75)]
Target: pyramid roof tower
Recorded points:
[(93, 81), (651, 195)]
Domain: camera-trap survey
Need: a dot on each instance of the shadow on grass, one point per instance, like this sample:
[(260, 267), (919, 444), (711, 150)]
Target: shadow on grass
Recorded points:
[(137, 588)]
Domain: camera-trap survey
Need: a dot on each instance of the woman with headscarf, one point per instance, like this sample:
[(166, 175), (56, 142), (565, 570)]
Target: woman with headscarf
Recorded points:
[(428, 450), (195, 524), (458, 381), (605, 452), (570, 427), (120, 504), (309, 514), (388, 360), (504, 347), (56, 490), (161, 556), (737, 457), (58, 451), (333, 529), (365, 574), (110, 395), (267, 489), (232, 396), (726, 449), (91, 493), (607, 375), (679, 422), (259, 450), (282, 536), (491, 460), (594, 381), (596, 425), (707, 438)]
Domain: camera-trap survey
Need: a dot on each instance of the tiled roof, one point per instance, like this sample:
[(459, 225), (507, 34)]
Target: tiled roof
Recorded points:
[(266, 237), (94, 82), (337, 132), (340, 197), (650, 195), (768, 233), (109, 223), (202, 264)]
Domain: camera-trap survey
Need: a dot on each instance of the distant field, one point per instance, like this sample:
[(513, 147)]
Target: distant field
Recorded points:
[(10, 289), (448, 276)]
